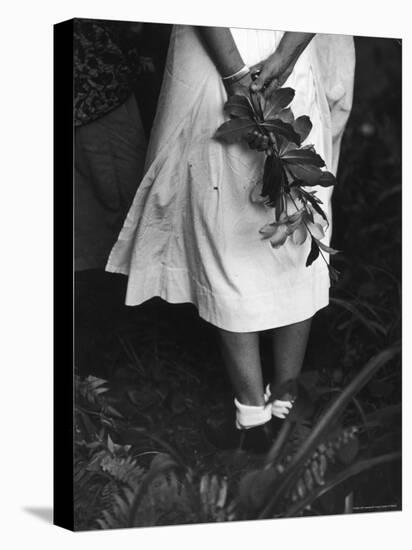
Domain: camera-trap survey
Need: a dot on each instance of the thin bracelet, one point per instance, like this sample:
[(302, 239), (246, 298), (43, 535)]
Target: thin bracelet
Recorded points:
[(237, 75)]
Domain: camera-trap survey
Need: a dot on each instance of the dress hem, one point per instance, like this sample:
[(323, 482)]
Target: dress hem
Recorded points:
[(254, 314)]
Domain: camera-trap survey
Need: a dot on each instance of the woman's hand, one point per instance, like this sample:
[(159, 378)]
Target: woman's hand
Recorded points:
[(256, 140), (276, 69), (242, 87)]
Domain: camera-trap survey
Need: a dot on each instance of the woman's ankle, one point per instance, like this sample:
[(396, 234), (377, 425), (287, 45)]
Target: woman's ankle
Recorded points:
[(284, 389)]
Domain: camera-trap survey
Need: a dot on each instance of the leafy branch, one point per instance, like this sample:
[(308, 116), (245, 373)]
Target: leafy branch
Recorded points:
[(269, 125)]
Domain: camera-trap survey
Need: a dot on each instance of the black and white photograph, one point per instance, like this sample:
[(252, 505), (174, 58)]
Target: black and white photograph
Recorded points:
[(237, 274)]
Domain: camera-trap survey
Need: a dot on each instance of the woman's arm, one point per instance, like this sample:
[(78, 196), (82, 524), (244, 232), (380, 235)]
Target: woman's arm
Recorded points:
[(276, 69), (223, 51)]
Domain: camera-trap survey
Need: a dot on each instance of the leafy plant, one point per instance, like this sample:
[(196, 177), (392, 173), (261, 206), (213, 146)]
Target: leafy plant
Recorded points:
[(307, 461), (93, 409), (163, 497), (289, 168), (299, 476)]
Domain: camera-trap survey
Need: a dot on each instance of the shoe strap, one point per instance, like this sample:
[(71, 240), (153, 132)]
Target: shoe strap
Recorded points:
[(280, 408)]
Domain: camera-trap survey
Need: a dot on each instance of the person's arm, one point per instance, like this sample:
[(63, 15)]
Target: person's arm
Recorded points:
[(223, 51), (276, 69)]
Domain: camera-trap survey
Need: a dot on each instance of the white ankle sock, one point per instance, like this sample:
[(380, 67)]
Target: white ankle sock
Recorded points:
[(280, 409), (248, 416)]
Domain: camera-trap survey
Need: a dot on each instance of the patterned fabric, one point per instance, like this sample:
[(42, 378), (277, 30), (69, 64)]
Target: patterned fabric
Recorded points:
[(105, 66)]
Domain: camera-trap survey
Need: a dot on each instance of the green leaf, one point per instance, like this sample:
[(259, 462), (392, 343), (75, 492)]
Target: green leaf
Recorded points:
[(279, 206), (238, 106), (234, 130), (296, 216), (161, 460), (325, 248), (112, 411), (327, 179), (313, 254), (256, 100), (95, 382), (274, 178), (278, 100), (302, 125), (286, 115), (110, 444), (316, 231), (281, 128), (314, 203), (308, 176), (98, 391), (304, 157), (283, 145)]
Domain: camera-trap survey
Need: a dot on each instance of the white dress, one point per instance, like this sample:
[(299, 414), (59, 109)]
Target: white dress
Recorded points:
[(192, 233)]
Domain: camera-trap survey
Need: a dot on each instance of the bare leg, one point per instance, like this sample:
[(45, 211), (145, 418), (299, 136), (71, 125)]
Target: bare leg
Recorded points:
[(242, 358), (289, 347)]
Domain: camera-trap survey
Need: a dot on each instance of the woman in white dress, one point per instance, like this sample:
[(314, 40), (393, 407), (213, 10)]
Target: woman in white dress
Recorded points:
[(192, 233)]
